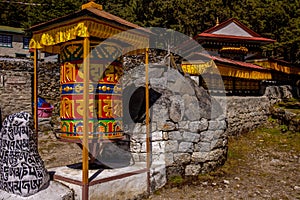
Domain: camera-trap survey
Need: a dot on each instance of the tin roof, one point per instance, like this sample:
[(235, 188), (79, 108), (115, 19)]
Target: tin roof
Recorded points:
[(10, 29)]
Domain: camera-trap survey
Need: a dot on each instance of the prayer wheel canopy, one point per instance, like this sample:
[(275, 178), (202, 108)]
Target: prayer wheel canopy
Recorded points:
[(92, 22), (91, 105), (90, 40)]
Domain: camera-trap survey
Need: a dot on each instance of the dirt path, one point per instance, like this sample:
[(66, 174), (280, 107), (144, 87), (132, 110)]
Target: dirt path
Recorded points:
[(264, 164), (55, 153)]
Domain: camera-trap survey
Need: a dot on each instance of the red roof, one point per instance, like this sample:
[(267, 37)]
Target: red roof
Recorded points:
[(225, 23), (253, 36), (203, 56), (219, 36), (238, 63)]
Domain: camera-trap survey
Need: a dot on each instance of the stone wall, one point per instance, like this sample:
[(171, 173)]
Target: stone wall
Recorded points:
[(289, 120), (245, 113), (49, 89), (16, 85)]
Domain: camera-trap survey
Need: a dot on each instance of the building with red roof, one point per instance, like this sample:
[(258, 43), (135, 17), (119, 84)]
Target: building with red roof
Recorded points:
[(236, 51), (232, 39)]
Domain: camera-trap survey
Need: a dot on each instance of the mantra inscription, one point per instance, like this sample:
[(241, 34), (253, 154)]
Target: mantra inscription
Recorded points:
[(22, 171), (105, 94)]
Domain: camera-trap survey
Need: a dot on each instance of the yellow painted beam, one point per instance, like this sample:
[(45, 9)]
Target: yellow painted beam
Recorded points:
[(85, 150)]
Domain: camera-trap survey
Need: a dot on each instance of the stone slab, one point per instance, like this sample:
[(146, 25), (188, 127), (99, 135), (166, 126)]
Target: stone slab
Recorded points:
[(55, 191), (114, 186)]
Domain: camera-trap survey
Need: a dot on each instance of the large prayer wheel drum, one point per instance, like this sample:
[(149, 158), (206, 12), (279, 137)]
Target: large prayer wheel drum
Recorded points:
[(105, 100)]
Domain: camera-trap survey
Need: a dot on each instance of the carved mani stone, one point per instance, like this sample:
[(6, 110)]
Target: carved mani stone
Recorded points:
[(22, 170)]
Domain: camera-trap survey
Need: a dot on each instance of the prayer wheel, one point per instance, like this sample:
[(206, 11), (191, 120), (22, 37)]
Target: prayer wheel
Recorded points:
[(90, 66), (105, 94)]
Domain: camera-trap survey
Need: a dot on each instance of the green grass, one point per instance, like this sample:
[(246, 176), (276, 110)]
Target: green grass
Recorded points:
[(271, 120), (176, 180), (275, 139), (241, 147), (288, 104)]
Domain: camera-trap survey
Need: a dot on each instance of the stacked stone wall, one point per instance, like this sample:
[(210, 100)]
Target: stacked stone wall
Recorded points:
[(16, 85), (245, 113)]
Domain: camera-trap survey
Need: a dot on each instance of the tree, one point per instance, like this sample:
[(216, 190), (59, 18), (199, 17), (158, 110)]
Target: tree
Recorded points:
[(275, 19), (43, 10), (12, 13)]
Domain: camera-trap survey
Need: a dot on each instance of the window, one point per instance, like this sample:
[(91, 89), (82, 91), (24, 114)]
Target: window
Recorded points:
[(26, 42), (5, 40), (48, 54), (20, 55)]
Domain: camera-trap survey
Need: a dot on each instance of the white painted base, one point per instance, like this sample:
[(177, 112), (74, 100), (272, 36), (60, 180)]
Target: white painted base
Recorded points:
[(129, 187)]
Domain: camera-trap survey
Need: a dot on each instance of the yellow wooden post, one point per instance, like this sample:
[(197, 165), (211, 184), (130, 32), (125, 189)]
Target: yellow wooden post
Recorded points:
[(85, 150), (35, 93), (148, 148)]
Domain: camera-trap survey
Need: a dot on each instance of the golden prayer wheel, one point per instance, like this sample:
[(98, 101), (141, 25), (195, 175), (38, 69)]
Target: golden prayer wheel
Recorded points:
[(105, 95)]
